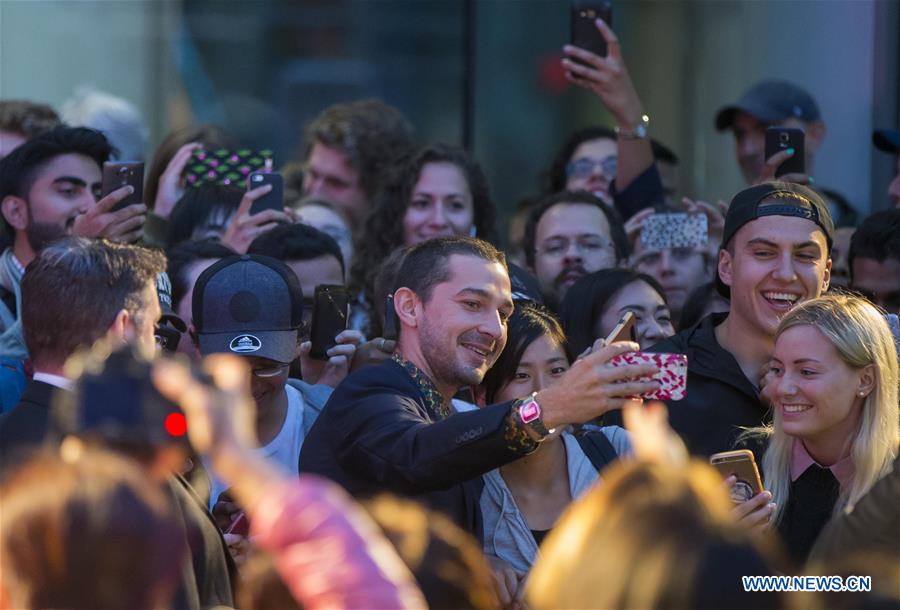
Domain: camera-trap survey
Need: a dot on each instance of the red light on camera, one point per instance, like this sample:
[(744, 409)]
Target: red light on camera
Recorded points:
[(176, 424)]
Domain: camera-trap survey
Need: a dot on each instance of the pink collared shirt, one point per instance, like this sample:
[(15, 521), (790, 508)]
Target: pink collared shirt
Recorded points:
[(801, 460)]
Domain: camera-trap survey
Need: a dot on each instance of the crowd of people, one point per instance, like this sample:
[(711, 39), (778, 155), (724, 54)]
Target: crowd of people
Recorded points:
[(477, 432)]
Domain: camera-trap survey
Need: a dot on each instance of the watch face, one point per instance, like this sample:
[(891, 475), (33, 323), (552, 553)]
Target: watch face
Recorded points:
[(529, 411)]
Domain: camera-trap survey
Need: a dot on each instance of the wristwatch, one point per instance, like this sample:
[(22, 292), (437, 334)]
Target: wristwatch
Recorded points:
[(638, 133), (529, 410)]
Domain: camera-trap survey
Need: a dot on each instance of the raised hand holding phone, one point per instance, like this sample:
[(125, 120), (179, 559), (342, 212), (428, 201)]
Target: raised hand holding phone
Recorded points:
[(608, 78), (125, 225), (245, 226), (785, 156), (592, 386)]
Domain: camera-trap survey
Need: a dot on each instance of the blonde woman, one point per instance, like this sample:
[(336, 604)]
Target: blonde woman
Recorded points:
[(833, 386)]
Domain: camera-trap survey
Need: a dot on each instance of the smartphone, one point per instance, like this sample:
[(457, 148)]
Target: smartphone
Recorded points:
[(672, 375), (240, 525), (117, 174), (585, 35), (623, 330), (741, 464), (391, 329), (782, 138), (678, 230), (331, 310), (274, 199)]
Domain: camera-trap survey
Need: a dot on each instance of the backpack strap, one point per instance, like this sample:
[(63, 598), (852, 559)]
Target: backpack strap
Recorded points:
[(597, 448)]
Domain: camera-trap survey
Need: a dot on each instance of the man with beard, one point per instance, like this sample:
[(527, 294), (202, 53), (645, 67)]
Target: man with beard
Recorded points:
[(48, 189), (569, 235), (391, 427)]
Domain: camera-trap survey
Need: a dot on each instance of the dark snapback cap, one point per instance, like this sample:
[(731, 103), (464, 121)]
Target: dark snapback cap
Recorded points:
[(887, 140), (745, 207), (771, 101), (249, 305)]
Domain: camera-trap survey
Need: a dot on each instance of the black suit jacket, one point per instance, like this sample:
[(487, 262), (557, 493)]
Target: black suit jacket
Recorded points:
[(23, 429), (377, 434)]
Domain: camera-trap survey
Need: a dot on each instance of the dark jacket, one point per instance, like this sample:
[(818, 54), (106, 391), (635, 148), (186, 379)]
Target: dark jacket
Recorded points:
[(377, 434), (720, 399), (645, 191), (22, 430)]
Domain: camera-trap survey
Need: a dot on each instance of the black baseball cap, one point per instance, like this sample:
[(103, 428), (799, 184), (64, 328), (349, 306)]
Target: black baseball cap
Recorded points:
[(249, 305), (771, 101), (782, 199), (887, 140)]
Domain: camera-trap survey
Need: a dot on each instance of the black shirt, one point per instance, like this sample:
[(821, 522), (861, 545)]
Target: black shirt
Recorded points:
[(809, 507)]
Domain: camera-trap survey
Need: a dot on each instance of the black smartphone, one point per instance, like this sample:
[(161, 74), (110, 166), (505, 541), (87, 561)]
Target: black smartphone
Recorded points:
[(782, 138), (117, 174), (585, 34), (331, 310), (391, 328), (274, 199)]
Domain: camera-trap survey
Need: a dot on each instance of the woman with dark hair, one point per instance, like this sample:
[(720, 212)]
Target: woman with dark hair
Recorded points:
[(522, 500), (439, 191), (596, 302)]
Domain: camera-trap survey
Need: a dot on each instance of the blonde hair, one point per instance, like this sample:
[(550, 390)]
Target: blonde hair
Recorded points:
[(861, 336), (648, 537)]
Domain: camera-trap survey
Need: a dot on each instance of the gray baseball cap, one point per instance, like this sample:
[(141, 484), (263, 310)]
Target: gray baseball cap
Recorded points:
[(771, 101), (249, 305)]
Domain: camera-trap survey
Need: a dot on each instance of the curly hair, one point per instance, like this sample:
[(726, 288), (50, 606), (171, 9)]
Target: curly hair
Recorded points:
[(371, 134), (384, 230)]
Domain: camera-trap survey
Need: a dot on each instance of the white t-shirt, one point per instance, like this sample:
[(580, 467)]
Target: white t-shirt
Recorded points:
[(283, 450)]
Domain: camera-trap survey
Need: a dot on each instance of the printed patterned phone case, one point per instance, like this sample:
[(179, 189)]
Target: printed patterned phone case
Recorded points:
[(678, 230), (672, 372)]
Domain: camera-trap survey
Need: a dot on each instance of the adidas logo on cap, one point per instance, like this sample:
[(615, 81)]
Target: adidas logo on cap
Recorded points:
[(245, 344)]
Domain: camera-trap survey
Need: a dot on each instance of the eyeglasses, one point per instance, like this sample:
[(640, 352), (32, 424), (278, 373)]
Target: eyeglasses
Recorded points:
[(269, 372), (586, 246), (584, 167)]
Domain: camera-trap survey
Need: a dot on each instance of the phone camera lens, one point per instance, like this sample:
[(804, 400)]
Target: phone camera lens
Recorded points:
[(785, 137)]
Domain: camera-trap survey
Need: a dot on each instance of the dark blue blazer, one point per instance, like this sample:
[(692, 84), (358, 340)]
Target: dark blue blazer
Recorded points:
[(377, 434)]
